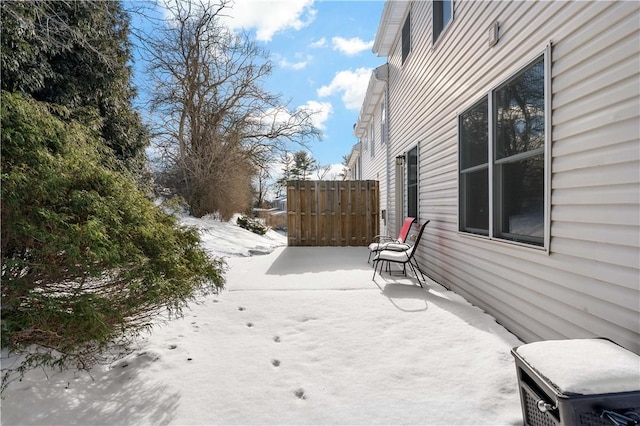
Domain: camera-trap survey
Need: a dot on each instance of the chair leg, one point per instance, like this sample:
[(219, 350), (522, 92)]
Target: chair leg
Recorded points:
[(415, 263), (413, 268)]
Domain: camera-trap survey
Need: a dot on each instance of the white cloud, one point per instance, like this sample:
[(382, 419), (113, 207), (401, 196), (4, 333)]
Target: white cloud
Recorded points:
[(334, 172), (297, 65), (320, 112), (351, 46), (320, 43), (352, 85), (269, 17), (292, 65)]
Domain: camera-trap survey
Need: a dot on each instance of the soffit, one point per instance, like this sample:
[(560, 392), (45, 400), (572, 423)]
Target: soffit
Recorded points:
[(389, 27), (377, 84)]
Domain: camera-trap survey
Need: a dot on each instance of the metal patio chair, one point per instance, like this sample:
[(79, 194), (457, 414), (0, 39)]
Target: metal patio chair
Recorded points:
[(403, 257), (384, 242)]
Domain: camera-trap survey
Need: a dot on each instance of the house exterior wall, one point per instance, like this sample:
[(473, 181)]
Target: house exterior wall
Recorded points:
[(585, 281), (373, 147)]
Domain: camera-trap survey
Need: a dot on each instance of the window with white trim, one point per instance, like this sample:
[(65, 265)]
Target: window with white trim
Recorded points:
[(412, 182), (442, 14), (502, 160), (406, 37)]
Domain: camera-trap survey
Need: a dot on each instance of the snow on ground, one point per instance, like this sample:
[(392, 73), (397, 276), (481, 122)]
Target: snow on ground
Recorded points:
[(299, 336)]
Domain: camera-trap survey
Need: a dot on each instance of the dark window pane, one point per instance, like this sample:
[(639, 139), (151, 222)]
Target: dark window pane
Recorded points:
[(475, 198), (441, 16), (412, 202), (474, 135), (522, 200), (412, 182), (412, 162), (406, 37), (519, 107)]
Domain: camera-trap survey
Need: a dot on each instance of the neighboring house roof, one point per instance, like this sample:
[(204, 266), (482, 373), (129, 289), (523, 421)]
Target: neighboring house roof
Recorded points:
[(392, 19), (377, 82), (353, 156)]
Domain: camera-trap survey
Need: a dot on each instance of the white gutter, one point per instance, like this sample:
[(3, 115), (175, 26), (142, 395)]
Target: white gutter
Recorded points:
[(391, 22), (377, 84)]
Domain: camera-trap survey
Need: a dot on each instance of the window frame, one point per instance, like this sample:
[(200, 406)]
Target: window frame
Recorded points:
[(437, 20), (494, 233), (415, 186), (465, 171), (405, 39)]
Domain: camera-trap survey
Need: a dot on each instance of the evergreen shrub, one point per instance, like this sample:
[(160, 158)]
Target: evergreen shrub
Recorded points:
[(86, 258), (251, 225)]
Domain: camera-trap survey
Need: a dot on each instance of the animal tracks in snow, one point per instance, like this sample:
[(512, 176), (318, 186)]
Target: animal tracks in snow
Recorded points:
[(299, 393)]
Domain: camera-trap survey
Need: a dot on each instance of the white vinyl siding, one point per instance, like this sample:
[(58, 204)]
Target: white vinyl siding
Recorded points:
[(372, 138), (374, 164), (588, 282)]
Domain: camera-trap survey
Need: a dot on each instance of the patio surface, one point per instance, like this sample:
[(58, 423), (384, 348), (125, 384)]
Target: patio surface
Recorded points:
[(299, 336)]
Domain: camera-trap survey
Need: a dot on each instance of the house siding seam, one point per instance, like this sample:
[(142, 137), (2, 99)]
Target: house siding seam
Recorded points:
[(588, 283)]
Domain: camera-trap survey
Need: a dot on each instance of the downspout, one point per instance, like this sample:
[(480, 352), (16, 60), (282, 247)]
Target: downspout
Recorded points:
[(387, 130)]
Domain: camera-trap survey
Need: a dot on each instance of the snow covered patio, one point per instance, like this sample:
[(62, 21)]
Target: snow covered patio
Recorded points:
[(299, 336)]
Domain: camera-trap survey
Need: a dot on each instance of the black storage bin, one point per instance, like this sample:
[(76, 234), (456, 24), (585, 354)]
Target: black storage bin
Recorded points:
[(546, 403)]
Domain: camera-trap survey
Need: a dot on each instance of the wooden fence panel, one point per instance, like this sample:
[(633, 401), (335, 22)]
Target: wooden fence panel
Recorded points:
[(332, 213)]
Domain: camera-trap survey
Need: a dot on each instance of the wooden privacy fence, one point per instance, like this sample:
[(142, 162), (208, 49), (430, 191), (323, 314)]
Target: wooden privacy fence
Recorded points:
[(332, 213)]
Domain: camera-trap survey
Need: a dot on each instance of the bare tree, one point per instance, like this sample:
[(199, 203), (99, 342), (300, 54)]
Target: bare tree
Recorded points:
[(322, 171), (263, 185), (219, 126)]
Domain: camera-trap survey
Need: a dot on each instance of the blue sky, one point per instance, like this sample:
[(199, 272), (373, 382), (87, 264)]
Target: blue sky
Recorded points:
[(322, 57)]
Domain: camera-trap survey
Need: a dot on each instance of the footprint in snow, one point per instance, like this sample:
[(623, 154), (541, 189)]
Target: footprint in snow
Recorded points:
[(173, 346), (241, 308), (249, 324), (299, 393), (275, 362), (276, 339)]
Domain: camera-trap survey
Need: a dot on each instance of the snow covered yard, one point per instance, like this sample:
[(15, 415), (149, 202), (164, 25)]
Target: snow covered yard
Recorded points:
[(299, 336)]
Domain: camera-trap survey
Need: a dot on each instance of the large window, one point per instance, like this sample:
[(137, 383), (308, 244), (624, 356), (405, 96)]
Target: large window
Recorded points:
[(474, 168), (502, 165), (442, 13), (406, 37), (412, 183)]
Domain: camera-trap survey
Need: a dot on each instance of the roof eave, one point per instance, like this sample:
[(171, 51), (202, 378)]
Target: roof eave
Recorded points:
[(391, 21)]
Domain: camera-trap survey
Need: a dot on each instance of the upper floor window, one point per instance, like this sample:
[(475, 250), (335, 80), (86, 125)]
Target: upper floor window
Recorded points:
[(442, 13), (502, 170), (406, 37)]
